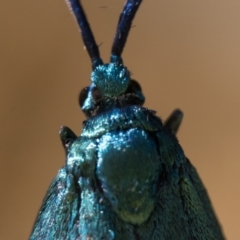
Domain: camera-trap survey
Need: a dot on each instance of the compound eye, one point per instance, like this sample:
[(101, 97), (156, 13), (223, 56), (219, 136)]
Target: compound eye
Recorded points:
[(135, 90), (134, 87), (83, 96), (96, 94)]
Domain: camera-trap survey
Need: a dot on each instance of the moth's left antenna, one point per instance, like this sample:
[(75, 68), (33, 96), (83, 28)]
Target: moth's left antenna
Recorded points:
[(86, 32), (124, 25)]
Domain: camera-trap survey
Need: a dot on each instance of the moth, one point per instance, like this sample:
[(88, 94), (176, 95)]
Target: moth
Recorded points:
[(125, 176)]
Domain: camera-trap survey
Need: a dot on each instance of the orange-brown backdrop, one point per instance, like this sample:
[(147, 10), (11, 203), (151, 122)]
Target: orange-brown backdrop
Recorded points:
[(184, 53)]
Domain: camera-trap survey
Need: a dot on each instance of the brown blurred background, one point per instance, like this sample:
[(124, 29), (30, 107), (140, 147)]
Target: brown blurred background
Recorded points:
[(184, 53)]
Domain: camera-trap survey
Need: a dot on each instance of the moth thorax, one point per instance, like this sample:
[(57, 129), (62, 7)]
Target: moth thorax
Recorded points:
[(111, 79)]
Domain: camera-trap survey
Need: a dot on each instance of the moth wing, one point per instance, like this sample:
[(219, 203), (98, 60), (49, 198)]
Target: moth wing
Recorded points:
[(205, 200), (58, 215), (183, 209)]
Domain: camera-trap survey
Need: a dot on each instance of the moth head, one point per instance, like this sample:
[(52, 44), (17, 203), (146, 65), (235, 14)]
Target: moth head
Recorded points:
[(112, 80), (91, 98)]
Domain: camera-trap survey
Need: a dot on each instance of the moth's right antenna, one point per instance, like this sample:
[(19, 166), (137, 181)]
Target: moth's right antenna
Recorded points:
[(123, 28), (86, 32)]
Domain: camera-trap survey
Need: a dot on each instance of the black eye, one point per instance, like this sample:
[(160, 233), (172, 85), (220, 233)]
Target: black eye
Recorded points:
[(96, 94), (83, 96), (135, 91), (134, 87)]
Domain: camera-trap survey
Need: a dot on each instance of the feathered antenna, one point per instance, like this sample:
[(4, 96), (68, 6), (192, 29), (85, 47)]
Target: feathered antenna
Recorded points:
[(124, 25), (86, 32)]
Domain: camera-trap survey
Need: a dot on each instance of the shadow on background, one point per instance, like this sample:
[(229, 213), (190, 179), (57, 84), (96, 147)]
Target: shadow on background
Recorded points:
[(185, 54)]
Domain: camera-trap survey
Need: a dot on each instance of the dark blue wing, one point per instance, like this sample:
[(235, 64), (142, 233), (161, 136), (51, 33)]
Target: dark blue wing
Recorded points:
[(58, 216)]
